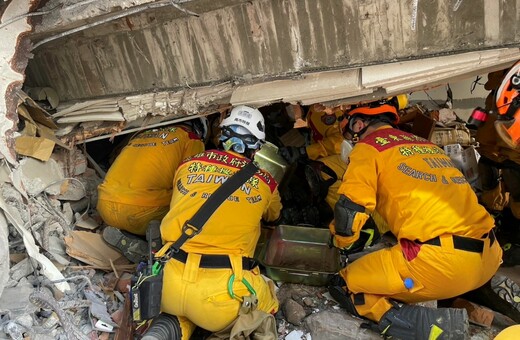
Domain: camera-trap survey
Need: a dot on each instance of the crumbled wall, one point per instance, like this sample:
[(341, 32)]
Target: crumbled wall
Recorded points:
[(13, 61)]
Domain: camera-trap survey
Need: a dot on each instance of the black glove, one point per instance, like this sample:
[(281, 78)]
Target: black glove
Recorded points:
[(292, 153), (368, 236)]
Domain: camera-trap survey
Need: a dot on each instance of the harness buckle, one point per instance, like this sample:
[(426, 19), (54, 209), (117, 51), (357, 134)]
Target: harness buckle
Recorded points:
[(190, 230)]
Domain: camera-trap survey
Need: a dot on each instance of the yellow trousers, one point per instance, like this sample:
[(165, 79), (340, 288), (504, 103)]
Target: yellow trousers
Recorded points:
[(437, 272), (200, 296), (132, 218)]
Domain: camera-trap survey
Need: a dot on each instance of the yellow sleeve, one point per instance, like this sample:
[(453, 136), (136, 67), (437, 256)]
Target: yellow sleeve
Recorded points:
[(360, 180), (330, 145), (274, 207)]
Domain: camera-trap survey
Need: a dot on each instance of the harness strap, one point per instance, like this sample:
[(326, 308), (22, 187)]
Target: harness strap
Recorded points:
[(215, 261), (463, 243)]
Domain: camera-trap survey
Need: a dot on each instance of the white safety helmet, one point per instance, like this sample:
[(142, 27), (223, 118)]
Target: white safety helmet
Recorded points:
[(243, 129), (247, 117)]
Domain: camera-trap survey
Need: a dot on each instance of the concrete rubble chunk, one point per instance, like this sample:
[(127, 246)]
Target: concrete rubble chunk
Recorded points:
[(293, 311), (21, 269), (73, 190), (15, 301), (37, 176), (337, 326)]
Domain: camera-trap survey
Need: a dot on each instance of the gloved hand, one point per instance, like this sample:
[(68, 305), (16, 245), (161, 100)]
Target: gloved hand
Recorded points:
[(292, 153), (368, 236)]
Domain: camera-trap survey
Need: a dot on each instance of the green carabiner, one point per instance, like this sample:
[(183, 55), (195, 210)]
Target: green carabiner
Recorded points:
[(244, 281), (157, 267)]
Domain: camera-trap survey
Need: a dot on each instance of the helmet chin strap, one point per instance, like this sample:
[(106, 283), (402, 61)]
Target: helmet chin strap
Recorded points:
[(356, 135)]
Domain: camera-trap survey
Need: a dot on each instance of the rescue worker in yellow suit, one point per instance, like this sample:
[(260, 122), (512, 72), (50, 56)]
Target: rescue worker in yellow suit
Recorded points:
[(325, 145), (138, 185), (326, 148), (445, 246), (204, 282), (323, 167)]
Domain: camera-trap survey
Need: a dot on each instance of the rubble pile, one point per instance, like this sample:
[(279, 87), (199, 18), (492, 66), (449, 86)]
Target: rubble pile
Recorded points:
[(49, 293), (62, 281), (308, 312)]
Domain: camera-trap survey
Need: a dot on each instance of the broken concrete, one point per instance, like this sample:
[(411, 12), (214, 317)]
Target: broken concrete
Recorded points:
[(37, 176), (4, 251)]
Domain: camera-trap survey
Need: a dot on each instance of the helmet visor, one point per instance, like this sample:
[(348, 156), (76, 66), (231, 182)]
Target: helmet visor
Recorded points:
[(233, 131)]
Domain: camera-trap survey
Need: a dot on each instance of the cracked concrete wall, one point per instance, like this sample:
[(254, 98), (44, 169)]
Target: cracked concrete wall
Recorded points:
[(14, 47), (158, 50)]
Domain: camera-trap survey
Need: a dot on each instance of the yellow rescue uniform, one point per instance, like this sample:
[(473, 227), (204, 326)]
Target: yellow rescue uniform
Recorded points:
[(199, 295), (416, 188), (325, 134), (326, 146), (138, 186)]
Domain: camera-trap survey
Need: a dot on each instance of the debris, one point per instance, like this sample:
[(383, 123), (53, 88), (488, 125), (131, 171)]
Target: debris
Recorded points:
[(4, 251), (47, 267), (477, 314), (15, 301), (36, 147), (37, 176), (293, 312), (21, 269), (43, 300), (90, 248), (297, 335), (98, 310), (86, 222), (466, 160), (337, 325)]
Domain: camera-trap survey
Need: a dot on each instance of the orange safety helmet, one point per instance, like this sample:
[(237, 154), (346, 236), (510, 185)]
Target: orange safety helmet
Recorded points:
[(388, 106), (508, 106)]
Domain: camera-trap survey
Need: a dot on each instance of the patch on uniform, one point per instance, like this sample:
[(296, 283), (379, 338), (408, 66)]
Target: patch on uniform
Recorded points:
[(388, 138)]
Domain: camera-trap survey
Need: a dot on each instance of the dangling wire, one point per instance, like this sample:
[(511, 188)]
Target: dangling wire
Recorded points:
[(432, 100), (475, 83)]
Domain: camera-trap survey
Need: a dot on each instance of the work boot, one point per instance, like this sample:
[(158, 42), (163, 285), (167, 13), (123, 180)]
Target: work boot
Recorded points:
[(507, 290), (164, 327), (133, 247), (417, 322)]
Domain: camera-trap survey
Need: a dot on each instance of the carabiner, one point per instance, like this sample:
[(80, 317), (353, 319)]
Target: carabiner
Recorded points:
[(244, 281)]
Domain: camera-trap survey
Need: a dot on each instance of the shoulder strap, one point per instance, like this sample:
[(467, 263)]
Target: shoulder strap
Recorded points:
[(194, 225)]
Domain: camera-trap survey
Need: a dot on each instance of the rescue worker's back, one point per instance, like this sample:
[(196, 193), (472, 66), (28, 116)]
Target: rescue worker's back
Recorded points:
[(402, 161), (234, 228)]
